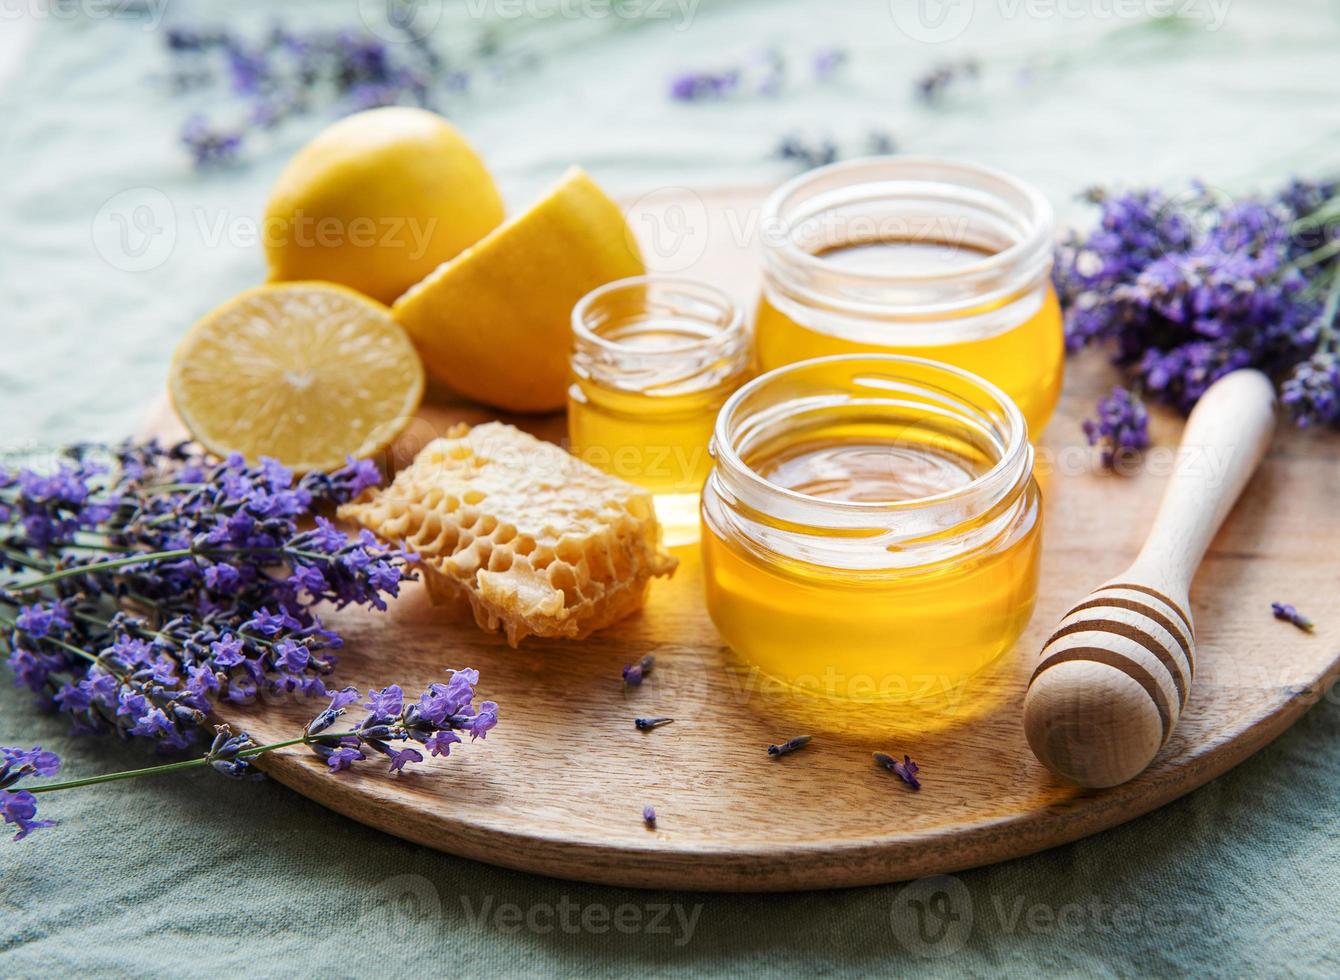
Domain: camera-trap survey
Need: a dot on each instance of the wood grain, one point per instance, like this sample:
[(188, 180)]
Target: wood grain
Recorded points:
[(559, 786)]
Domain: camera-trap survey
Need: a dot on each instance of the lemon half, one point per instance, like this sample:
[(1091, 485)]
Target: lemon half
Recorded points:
[(495, 322), (307, 373)]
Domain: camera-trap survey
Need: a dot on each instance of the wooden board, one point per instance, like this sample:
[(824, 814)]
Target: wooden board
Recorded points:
[(559, 786)]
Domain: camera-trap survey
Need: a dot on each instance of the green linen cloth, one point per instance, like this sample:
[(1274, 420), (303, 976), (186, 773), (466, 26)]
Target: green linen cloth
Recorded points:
[(195, 874)]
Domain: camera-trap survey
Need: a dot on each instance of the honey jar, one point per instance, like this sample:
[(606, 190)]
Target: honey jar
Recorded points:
[(653, 359), (932, 258), (871, 527)]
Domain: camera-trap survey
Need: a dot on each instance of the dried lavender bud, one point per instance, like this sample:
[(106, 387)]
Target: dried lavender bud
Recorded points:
[(649, 816), (790, 745), (633, 673), (647, 724), (906, 770), (1287, 613)]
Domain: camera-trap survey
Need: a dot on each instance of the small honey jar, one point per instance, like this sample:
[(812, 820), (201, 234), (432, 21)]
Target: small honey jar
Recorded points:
[(653, 360), (871, 528), (931, 258)]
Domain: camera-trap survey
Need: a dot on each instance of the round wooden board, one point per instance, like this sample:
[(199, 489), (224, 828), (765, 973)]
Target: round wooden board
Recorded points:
[(558, 788)]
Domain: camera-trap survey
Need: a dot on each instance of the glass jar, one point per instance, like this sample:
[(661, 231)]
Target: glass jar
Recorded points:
[(653, 360), (943, 260), (871, 527)]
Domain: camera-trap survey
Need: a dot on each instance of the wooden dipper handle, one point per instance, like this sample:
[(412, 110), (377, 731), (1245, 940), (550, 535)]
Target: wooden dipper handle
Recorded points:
[(1114, 677)]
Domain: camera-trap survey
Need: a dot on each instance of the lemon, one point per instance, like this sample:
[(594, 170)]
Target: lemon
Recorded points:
[(306, 372), (495, 322), (377, 201)]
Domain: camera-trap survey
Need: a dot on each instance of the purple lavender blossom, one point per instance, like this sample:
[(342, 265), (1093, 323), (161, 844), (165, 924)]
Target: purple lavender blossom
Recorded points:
[(1184, 289), (698, 86), (214, 614), (647, 724), (827, 61), (633, 674), (282, 74), (1311, 392), (1287, 613), (18, 807), (1122, 426), (933, 86), (649, 816), (906, 770)]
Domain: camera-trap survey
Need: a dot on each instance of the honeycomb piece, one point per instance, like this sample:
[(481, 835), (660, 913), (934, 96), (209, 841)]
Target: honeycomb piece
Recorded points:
[(533, 539)]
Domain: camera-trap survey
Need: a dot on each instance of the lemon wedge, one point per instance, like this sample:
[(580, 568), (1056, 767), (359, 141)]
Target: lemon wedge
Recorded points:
[(495, 322), (377, 201), (307, 373)]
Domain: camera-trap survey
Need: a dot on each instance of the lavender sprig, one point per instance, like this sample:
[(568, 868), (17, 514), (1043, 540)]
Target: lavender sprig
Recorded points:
[(431, 721), (647, 724), (1182, 289), (139, 584)]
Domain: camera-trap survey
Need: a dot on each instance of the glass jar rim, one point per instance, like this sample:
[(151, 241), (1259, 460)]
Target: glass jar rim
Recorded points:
[(1015, 455), (726, 335), (1009, 219)]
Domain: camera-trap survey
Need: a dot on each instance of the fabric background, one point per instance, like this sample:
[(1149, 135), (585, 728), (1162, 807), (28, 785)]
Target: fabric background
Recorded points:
[(197, 874)]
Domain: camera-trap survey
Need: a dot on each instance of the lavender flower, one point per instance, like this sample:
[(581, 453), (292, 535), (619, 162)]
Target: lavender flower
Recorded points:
[(1287, 613), (282, 74), (810, 152), (932, 87), (827, 61), (634, 673), (1122, 426), (1184, 289), (790, 745), (138, 588), (19, 807), (647, 724), (1311, 392), (764, 72), (906, 770), (698, 86), (432, 720), (649, 816)]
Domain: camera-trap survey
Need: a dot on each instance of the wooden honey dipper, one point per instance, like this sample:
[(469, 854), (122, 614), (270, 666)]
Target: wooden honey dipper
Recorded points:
[(1114, 677)]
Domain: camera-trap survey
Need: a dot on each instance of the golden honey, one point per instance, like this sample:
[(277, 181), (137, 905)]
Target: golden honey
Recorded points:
[(930, 258), (653, 360), (871, 529)]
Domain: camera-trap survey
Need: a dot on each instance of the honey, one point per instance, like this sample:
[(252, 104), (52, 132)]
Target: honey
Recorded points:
[(654, 358), (929, 258), (872, 529)]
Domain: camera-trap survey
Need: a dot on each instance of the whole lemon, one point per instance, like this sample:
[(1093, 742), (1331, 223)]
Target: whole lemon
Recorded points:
[(377, 201)]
